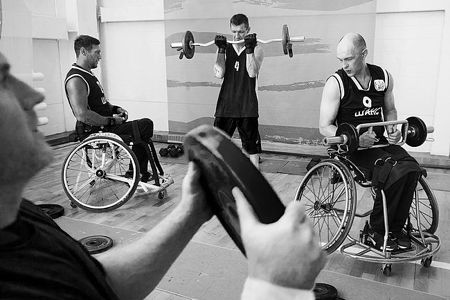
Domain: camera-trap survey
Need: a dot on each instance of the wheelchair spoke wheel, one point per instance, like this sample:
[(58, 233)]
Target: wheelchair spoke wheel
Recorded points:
[(100, 174), (329, 194), (424, 209)]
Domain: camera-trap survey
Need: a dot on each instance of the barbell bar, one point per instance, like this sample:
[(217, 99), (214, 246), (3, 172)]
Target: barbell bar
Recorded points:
[(414, 133), (187, 45)]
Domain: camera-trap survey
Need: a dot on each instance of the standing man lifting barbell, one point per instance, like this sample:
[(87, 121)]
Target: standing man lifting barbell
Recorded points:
[(238, 65), (363, 93)]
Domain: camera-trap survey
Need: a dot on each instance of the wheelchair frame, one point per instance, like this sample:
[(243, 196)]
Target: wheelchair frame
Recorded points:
[(103, 161), (341, 180)]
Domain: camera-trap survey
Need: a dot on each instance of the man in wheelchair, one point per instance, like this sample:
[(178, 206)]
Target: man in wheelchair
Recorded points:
[(363, 93), (92, 109)]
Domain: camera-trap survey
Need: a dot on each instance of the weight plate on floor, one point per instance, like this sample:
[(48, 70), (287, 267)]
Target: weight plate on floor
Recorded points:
[(53, 210), (224, 166), (97, 243)]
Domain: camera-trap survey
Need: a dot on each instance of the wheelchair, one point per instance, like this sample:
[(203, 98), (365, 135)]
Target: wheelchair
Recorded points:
[(102, 173), (329, 192)]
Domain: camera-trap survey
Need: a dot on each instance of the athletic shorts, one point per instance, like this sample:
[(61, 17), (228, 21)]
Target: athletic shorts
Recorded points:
[(247, 128)]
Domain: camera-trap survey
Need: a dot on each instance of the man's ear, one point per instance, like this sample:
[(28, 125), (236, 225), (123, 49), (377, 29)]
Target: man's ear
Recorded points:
[(83, 51)]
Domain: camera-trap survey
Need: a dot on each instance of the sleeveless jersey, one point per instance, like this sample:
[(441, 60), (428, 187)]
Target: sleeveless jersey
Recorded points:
[(97, 101), (237, 97), (359, 105)]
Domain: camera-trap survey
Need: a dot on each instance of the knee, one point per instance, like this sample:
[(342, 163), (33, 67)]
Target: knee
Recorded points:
[(146, 128)]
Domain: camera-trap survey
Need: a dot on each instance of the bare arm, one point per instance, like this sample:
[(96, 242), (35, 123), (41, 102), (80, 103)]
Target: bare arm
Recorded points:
[(219, 66), (329, 107), (254, 62), (134, 270), (78, 97), (390, 112)]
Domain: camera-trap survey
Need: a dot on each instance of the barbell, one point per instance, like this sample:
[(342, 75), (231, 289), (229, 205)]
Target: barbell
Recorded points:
[(414, 133), (187, 44)]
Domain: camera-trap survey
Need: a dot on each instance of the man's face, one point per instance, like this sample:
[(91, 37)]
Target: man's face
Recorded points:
[(93, 56), (351, 58), (23, 150), (239, 31)]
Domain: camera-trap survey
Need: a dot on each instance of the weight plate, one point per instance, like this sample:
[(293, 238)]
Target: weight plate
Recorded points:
[(97, 243), (285, 39), (352, 136), (53, 210), (224, 166), (323, 291), (188, 48), (417, 132)]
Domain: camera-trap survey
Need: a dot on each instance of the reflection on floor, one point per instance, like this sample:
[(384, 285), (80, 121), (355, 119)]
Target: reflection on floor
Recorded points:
[(211, 267)]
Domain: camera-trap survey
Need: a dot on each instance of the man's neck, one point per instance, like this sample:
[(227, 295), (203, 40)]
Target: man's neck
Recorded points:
[(364, 76), (84, 65), (10, 199)]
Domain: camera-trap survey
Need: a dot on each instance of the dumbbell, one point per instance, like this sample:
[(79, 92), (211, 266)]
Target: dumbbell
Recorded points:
[(172, 151), (414, 131)]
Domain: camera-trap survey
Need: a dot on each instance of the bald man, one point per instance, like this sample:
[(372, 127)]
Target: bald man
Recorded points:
[(363, 93)]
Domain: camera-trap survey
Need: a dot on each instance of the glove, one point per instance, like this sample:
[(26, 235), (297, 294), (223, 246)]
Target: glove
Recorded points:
[(250, 43), (221, 43)]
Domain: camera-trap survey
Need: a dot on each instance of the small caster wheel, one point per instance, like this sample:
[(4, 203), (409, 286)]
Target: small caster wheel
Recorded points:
[(426, 262), (387, 269), (72, 204), (162, 194)]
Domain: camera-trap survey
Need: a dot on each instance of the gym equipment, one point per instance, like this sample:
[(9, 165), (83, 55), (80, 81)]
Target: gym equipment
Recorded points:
[(323, 291), (53, 210), (172, 151), (97, 243), (224, 166), (102, 173), (330, 196), (187, 44), (414, 133)]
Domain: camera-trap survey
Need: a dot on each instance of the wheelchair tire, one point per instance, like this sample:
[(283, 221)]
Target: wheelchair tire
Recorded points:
[(329, 194), (428, 208), (100, 174)]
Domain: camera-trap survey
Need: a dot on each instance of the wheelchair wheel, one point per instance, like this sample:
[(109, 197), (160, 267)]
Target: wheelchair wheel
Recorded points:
[(428, 208), (329, 194), (100, 174)]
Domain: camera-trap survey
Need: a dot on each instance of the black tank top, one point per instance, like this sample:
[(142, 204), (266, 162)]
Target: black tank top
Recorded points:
[(97, 101), (237, 97), (359, 105)]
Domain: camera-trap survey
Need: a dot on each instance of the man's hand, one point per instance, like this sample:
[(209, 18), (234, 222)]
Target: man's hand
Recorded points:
[(221, 43), (193, 196), (368, 138), (393, 134), (250, 43), (287, 252), (118, 119), (122, 113)]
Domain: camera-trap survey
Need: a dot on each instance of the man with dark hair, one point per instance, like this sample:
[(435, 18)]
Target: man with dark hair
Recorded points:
[(363, 93), (238, 65), (40, 261), (91, 107)]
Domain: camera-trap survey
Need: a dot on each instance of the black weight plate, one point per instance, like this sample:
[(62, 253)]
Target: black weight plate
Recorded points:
[(188, 48), (97, 243), (352, 136), (285, 39), (323, 291), (53, 210), (224, 166), (417, 132)]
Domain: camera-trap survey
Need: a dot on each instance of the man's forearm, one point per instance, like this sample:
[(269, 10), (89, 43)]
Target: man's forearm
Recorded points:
[(92, 118), (134, 271), (252, 65), (219, 66)]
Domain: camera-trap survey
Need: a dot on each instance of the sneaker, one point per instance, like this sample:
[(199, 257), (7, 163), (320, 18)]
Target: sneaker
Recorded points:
[(376, 240), (146, 176), (403, 241)]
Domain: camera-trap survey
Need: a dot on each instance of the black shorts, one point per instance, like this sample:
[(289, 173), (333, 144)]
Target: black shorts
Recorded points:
[(247, 128)]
